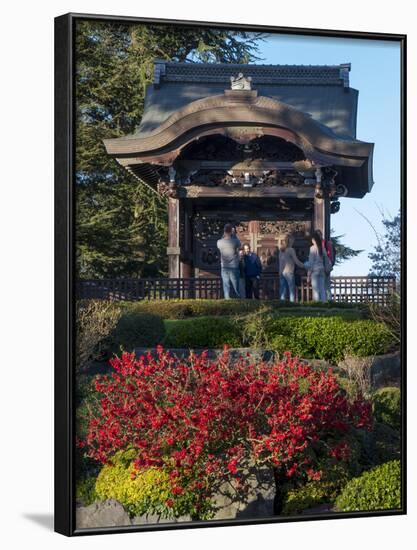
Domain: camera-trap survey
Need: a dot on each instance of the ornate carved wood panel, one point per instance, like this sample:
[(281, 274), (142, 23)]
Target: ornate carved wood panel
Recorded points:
[(262, 236)]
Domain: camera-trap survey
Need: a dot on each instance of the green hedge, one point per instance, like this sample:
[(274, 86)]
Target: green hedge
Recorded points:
[(330, 339), (202, 332), (183, 309), (309, 495), (136, 329), (376, 489), (387, 406)]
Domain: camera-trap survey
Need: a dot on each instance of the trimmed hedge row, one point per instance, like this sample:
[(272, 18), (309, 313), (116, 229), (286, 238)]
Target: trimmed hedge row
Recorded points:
[(183, 309), (202, 332), (328, 338), (137, 329), (376, 489)]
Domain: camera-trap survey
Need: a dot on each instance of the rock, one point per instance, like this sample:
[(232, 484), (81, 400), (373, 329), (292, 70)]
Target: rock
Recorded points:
[(151, 519), (183, 518), (154, 518), (108, 513), (386, 370), (257, 503)]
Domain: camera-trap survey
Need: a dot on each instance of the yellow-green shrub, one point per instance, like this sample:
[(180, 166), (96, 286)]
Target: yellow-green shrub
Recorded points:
[(147, 493)]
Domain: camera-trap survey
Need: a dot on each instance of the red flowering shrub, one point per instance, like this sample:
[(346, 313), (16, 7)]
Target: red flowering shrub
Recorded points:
[(206, 421)]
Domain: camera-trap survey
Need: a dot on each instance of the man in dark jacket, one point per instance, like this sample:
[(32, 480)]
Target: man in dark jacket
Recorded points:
[(253, 270)]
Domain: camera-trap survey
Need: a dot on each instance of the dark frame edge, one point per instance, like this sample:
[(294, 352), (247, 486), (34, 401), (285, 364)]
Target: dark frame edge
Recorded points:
[(403, 281), (63, 425)]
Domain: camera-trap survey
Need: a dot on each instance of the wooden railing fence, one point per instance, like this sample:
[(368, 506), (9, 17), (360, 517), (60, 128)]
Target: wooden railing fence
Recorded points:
[(350, 289)]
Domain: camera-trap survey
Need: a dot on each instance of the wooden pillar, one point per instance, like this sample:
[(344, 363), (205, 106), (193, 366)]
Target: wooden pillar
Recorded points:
[(321, 218), (186, 260), (173, 249)]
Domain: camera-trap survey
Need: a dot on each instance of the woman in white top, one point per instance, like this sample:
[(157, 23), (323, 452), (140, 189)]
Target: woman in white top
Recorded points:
[(287, 262), (316, 273)]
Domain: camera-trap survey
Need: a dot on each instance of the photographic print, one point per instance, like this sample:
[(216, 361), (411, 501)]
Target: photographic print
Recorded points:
[(236, 293)]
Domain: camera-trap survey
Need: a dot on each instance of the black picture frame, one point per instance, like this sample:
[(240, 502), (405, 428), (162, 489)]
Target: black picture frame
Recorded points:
[(65, 268)]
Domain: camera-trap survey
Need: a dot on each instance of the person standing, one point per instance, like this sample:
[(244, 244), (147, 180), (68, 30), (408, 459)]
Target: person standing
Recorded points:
[(287, 262), (329, 249), (318, 264), (242, 280), (229, 260), (253, 270)]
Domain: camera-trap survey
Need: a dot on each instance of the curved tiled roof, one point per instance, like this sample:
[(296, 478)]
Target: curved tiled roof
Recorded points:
[(234, 108), (320, 90), (312, 105)]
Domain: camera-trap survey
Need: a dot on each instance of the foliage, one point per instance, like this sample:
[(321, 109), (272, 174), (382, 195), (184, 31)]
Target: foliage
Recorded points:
[(181, 309), (386, 256), (255, 327), (376, 489), (307, 496), (95, 319), (205, 421), (335, 474), (321, 335), (343, 252), (387, 406), (148, 491), (122, 223), (331, 338), (383, 444), (85, 490), (202, 332), (137, 329), (358, 371), (390, 315)]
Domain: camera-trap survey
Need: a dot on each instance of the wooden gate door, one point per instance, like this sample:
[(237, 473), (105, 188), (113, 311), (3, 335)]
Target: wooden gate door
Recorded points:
[(262, 236)]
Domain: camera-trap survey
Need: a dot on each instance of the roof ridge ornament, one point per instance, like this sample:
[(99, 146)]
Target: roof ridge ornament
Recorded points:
[(241, 82)]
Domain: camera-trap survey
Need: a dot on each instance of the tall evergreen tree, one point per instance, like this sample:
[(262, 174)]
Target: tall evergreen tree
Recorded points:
[(343, 251), (121, 225)]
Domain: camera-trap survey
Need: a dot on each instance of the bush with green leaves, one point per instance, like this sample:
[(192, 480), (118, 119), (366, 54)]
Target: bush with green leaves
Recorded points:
[(330, 338), (335, 474), (85, 490), (144, 492), (136, 329), (376, 489), (309, 495), (183, 309), (387, 406), (202, 332)]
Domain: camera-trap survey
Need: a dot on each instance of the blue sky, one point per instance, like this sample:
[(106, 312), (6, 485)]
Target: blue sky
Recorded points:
[(375, 73)]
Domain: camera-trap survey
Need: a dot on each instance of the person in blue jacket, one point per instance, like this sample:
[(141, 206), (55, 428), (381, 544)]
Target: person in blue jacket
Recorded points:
[(253, 270)]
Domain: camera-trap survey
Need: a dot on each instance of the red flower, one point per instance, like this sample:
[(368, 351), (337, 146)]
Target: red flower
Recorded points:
[(186, 416)]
